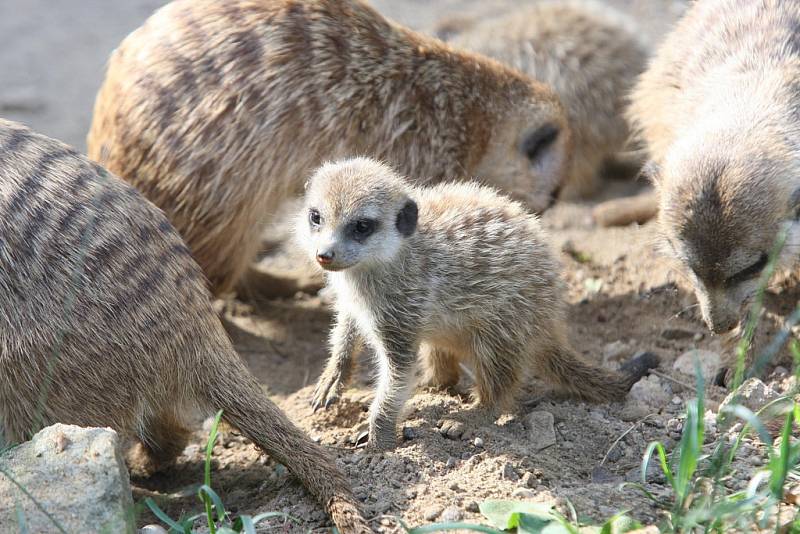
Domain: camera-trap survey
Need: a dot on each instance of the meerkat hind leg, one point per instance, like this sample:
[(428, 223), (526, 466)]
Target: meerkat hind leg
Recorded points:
[(166, 438), (441, 367)]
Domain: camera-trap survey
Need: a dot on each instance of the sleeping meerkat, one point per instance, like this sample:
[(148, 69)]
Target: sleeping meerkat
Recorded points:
[(589, 53), (718, 109), (455, 272), (216, 111), (105, 320)]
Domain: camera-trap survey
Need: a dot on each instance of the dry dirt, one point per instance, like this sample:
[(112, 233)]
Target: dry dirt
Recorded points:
[(623, 298)]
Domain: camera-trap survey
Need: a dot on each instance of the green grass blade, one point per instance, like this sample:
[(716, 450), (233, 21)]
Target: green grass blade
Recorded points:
[(164, 518), (268, 515), (212, 439), (209, 495), (780, 463), (662, 456), (443, 527), (752, 420)]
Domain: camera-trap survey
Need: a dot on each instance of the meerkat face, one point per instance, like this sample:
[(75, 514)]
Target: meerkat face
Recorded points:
[(720, 218), (529, 154), (357, 212)]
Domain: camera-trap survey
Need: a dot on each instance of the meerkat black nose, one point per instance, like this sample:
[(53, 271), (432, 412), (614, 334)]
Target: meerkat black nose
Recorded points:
[(324, 258)]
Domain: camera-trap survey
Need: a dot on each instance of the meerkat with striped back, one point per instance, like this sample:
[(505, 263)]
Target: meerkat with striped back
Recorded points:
[(217, 111), (106, 321), (717, 108), (588, 52)]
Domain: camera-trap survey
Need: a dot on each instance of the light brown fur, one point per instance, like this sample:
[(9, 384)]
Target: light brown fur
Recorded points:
[(454, 272), (219, 111), (589, 53), (718, 109), (105, 320)]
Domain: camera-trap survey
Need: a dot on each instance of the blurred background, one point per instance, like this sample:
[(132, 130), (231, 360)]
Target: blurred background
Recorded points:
[(53, 52)]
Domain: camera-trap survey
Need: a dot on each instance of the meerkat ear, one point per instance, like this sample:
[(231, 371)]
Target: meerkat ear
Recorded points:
[(406, 221)]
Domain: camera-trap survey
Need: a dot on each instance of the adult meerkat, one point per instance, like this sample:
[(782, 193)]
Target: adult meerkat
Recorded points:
[(106, 321), (217, 111), (589, 53), (718, 109), (454, 271)]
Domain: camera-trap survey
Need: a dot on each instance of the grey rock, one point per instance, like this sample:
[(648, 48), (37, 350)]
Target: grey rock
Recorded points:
[(541, 433), (523, 493), (753, 394), (648, 392), (152, 529), (710, 363), (432, 512), (507, 472), (452, 429), (528, 480), (77, 474), (478, 442), (451, 514), (473, 507)]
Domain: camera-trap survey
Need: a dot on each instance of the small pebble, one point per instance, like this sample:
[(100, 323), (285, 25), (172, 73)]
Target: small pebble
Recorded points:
[(523, 493), (409, 433), (451, 514), (508, 472), (472, 506), (528, 480), (451, 463), (432, 512), (478, 442), (676, 400), (152, 529)]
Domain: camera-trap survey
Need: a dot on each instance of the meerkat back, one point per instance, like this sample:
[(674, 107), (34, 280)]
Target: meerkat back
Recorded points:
[(105, 320), (588, 52)]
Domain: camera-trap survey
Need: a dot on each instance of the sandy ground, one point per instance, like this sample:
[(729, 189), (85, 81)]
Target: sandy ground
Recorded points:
[(623, 298)]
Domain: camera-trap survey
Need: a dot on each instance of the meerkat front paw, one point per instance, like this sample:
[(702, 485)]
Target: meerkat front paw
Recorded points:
[(329, 388)]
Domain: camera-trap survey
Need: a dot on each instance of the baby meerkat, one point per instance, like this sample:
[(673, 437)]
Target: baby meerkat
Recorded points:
[(217, 111), (718, 109), (455, 272), (105, 320), (589, 53)]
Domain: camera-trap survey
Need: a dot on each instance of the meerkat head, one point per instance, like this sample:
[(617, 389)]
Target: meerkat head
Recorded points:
[(723, 204), (357, 212), (529, 152)]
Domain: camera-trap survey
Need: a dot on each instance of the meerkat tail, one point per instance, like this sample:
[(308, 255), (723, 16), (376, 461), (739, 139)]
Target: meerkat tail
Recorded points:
[(261, 421), (590, 382)]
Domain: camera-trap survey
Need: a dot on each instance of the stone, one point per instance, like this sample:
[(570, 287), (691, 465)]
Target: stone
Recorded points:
[(478, 442), (432, 512), (507, 472), (523, 493), (541, 433), (710, 363), (473, 507), (152, 529), (451, 514), (77, 474), (528, 480), (649, 391), (409, 433), (452, 429), (752, 394)]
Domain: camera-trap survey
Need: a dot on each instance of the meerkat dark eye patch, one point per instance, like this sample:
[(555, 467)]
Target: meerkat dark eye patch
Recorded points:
[(362, 229), (406, 222), (536, 143), (749, 272), (314, 218)]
